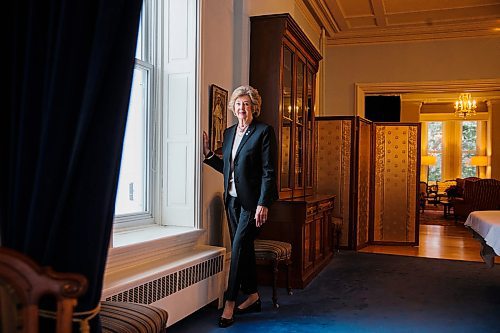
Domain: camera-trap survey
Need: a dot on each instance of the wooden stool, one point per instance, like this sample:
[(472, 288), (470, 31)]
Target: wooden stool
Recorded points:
[(271, 252), (126, 317), (336, 234)]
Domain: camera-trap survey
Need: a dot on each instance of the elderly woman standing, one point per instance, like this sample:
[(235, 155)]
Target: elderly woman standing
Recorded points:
[(248, 166)]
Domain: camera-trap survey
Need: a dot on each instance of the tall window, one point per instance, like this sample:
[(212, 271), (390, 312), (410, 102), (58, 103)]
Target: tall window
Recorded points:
[(133, 198), (134, 184), (468, 148), (453, 142), (158, 173), (435, 148)]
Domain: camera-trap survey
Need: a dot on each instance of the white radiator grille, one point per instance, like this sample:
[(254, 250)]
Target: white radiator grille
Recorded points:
[(155, 290)]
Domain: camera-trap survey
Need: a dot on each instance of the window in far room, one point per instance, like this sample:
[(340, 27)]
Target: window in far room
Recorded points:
[(435, 148), (454, 142), (468, 148)]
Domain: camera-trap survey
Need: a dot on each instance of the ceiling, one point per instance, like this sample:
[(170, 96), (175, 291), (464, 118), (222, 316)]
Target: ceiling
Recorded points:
[(369, 21), (381, 21)]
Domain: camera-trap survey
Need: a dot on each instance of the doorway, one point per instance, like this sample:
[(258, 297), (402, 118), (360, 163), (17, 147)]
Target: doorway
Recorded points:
[(436, 241)]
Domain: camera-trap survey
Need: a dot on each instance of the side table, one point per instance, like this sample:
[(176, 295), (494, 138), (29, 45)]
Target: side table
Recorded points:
[(447, 207)]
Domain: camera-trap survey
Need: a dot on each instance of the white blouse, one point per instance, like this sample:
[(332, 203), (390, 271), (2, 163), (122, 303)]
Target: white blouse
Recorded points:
[(236, 143)]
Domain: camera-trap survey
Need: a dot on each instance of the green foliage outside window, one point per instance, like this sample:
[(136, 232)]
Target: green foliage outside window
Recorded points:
[(435, 148), (469, 147)]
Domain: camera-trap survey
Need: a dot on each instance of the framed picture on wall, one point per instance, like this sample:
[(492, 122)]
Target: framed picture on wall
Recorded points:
[(217, 118)]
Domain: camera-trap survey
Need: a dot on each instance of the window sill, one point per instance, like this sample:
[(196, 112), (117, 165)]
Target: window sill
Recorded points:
[(134, 246), (141, 234)]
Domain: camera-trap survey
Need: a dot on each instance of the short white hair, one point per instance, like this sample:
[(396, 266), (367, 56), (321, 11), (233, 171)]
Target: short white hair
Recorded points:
[(250, 92)]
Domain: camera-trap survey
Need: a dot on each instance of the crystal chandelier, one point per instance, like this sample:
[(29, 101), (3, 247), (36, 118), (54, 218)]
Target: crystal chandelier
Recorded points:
[(465, 106)]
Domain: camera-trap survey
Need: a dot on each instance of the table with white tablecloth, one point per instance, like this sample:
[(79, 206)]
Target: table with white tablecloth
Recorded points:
[(486, 227)]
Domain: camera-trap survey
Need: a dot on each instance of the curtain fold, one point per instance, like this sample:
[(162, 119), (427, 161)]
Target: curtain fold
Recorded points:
[(69, 80)]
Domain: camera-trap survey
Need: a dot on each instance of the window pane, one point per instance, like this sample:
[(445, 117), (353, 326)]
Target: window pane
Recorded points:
[(286, 126), (132, 186), (141, 38), (469, 136), (435, 148)]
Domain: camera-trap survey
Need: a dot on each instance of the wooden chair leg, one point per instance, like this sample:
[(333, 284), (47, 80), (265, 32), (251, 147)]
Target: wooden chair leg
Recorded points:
[(288, 277), (338, 234), (275, 283)]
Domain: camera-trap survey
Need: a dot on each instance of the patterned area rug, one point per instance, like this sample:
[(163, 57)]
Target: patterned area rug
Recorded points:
[(435, 216)]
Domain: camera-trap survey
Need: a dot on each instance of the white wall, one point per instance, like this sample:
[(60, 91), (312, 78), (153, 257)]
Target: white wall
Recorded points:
[(457, 59), (217, 64)]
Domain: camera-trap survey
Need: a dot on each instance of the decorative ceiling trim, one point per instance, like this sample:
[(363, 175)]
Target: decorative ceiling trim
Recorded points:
[(323, 16), (480, 85), (379, 11), (386, 35)]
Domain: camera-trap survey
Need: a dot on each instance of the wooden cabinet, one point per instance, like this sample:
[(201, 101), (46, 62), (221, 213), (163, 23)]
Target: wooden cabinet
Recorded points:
[(306, 223), (283, 67)]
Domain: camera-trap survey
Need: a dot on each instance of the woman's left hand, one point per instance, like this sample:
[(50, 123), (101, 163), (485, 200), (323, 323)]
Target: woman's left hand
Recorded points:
[(260, 216)]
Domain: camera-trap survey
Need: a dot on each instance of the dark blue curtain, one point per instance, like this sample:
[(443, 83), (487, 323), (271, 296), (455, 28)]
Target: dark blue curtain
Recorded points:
[(70, 66)]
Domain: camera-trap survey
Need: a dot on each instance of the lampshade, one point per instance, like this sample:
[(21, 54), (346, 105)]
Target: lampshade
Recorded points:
[(428, 160), (479, 160)]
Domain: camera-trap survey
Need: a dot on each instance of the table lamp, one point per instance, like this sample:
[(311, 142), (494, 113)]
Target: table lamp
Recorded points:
[(428, 160), (479, 161)]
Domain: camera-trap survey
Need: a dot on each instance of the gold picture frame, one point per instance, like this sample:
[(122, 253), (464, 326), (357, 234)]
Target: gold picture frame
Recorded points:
[(218, 117)]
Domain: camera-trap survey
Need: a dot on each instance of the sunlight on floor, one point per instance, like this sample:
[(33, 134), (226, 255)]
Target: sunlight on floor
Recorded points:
[(441, 242)]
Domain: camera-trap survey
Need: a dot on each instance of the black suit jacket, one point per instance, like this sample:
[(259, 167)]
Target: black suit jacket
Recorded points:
[(254, 165)]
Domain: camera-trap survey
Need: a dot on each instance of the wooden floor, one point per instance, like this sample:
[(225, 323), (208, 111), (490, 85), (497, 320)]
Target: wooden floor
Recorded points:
[(442, 242)]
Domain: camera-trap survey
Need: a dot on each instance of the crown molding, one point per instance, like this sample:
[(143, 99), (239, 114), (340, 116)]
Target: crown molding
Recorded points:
[(488, 28), (425, 87), (431, 86), (322, 15)]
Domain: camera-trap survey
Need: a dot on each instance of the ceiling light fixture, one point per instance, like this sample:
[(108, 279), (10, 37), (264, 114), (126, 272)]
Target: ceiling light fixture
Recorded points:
[(465, 106)]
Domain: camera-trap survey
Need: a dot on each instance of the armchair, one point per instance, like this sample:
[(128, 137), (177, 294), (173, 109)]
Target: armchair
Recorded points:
[(482, 194), (427, 194), (461, 181), (23, 283), (441, 188)]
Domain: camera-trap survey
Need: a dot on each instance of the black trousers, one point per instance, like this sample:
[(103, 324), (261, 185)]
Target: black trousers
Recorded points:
[(242, 271)]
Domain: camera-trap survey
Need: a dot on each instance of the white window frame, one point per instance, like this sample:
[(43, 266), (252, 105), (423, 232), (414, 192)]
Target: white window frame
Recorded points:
[(167, 217), (146, 217)]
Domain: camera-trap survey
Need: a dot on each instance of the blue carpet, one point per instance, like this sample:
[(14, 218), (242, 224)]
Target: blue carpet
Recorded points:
[(362, 292)]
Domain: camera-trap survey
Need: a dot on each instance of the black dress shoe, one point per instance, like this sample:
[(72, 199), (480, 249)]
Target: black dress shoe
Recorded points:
[(225, 322), (254, 307)]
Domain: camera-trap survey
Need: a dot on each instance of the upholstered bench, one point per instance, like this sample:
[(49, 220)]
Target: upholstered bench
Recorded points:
[(123, 317), (271, 252)]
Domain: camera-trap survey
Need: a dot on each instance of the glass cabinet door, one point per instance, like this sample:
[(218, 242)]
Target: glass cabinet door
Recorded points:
[(286, 120), (296, 122), (299, 128), (309, 128)]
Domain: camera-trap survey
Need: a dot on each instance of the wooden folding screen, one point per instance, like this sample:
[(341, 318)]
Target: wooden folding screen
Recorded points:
[(343, 169), (396, 172), (363, 164), (352, 164)]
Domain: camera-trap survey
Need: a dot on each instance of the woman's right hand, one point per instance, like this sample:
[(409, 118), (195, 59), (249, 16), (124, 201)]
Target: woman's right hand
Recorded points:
[(206, 147)]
